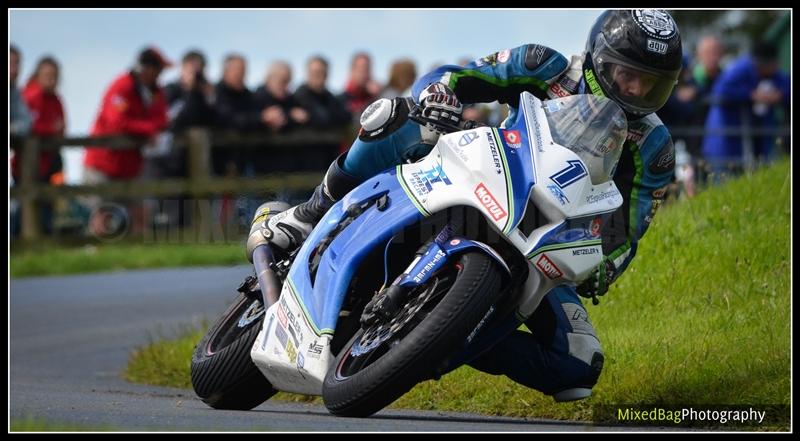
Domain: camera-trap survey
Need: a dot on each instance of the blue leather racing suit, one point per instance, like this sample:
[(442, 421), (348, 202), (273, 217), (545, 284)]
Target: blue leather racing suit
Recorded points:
[(561, 356)]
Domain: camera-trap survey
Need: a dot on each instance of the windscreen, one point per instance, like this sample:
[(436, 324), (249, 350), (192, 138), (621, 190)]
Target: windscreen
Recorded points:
[(591, 126)]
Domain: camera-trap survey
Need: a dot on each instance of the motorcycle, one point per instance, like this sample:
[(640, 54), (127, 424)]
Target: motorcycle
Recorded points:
[(471, 236)]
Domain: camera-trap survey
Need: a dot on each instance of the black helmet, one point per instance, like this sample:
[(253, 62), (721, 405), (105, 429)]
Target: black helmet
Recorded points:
[(634, 57)]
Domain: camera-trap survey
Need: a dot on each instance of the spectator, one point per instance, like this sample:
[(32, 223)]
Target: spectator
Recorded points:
[(402, 75), (19, 125), (235, 108), (280, 113), (676, 114), (134, 104), (325, 112), (47, 115), (279, 110), (707, 67), (708, 64), (19, 116), (678, 109), (189, 100), (48, 121), (361, 90), (744, 98), (324, 109)]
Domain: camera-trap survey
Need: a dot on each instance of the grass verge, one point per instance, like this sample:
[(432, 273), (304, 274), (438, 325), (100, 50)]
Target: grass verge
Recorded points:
[(32, 424), (43, 260)]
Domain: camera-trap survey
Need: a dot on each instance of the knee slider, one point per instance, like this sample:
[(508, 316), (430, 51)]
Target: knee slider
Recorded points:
[(383, 117), (587, 358)]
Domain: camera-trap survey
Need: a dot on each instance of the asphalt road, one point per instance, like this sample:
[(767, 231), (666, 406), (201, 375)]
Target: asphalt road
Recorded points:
[(70, 338)]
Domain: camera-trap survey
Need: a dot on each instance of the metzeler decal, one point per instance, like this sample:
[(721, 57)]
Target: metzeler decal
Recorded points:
[(498, 166)]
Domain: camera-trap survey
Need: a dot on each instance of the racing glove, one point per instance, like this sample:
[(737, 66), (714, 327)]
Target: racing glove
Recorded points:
[(598, 281), (440, 103)]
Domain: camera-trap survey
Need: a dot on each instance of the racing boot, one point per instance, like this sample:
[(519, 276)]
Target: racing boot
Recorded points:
[(287, 228)]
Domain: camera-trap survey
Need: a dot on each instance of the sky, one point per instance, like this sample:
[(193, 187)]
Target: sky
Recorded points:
[(95, 46)]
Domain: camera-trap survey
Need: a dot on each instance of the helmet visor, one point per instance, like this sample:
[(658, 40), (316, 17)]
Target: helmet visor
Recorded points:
[(638, 89)]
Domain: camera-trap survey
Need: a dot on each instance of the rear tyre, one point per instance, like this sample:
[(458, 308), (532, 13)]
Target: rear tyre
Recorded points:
[(223, 374)]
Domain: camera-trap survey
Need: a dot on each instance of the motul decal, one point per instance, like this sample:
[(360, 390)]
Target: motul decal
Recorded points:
[(489, 202), (548, 267)]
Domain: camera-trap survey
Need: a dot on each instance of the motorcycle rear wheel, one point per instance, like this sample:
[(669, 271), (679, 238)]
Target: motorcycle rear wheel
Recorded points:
[(223, 374)]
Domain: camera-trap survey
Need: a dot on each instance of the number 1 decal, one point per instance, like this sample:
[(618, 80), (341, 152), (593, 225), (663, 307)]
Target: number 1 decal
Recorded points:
[(569, 175)]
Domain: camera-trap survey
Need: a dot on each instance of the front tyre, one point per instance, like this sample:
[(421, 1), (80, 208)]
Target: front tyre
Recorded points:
[(223, 374), (383, 362)]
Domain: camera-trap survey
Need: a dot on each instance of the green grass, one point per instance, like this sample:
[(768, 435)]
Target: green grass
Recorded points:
[(32, 424), (700, 317), (165, 362), (43, 260)]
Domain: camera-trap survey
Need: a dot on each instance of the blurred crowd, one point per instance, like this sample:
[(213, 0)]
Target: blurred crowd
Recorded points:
[(136, 103), (724, 117), (737, 104)]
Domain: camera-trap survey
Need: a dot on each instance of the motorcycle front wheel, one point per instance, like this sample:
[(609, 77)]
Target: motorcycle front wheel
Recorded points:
[(384, 361)]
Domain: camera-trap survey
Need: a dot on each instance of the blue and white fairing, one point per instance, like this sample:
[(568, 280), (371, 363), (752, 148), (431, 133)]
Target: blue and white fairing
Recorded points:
[(497, 171), (296, 355)]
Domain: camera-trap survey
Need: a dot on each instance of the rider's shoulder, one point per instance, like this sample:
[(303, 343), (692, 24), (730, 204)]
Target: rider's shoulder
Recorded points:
[(535, 54), (655, 143)]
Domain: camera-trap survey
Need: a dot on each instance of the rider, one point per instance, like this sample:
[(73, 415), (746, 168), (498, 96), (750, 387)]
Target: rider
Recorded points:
[(632, 57)]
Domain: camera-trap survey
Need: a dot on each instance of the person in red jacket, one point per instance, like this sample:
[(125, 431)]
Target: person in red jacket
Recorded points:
[(135, 105), (47, 120), (47, 114), (361, 90)]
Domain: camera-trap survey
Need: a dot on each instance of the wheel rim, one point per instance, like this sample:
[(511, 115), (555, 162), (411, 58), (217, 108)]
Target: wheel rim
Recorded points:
[(248, 314), (375, 341)]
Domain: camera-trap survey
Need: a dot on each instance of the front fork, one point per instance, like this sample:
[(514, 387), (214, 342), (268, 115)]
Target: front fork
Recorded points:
[(427, 262)]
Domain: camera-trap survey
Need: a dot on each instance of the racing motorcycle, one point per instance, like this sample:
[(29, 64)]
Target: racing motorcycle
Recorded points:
[(423, 267)]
